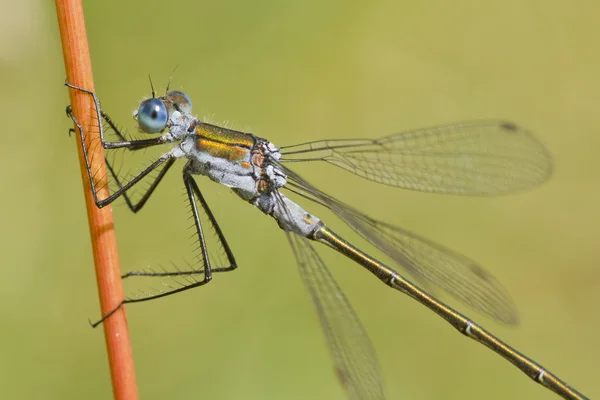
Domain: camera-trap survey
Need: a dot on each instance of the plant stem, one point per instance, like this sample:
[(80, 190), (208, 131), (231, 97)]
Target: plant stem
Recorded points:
[(79, 72)]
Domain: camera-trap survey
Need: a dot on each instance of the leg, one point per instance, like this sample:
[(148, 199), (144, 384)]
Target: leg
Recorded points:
[(123, 188), (194, 192), (194, 196), (100, 115), (138, 206)]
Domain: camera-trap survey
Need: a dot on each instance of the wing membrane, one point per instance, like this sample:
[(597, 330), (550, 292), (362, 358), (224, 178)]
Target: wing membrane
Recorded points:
[(481, 158), (427, 261), (356, 363)]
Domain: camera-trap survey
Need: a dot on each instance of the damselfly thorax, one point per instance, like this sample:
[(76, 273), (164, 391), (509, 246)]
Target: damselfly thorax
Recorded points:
[(243, 162)]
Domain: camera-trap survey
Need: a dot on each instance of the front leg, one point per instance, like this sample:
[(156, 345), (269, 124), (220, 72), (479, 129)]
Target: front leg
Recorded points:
[(101, 115), (129, 144)]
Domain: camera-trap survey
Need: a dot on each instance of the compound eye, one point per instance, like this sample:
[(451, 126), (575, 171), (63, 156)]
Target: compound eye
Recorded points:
[(181, 101), (152, 116)]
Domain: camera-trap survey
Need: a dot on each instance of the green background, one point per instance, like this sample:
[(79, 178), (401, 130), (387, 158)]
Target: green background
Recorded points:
[(292, 72)]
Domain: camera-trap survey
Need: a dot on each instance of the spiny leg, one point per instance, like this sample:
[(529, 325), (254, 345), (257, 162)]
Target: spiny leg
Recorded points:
[(100, 115), (131, 145), (103, 202), (192, 189), (194, 194), (135, 207)]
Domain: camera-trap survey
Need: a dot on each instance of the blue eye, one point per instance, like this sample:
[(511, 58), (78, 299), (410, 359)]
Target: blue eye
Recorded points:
[(152, 116)]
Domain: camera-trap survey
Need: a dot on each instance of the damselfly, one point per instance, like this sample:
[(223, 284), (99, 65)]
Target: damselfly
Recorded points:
[(475, 158)]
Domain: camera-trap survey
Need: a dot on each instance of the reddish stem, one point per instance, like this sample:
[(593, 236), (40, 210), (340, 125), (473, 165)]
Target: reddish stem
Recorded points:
[(79, 73)]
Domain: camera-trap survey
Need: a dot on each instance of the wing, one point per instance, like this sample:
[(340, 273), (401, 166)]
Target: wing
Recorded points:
[(427, 261), (356, 363), (481, 158), (452, 272)]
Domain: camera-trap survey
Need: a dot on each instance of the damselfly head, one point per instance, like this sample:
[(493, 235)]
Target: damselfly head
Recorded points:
[(153, 114)]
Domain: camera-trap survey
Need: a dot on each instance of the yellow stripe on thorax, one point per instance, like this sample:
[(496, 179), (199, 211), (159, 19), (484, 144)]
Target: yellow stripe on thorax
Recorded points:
[(224, 143)]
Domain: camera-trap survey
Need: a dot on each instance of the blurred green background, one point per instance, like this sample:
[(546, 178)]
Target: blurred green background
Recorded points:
[(293, 72)]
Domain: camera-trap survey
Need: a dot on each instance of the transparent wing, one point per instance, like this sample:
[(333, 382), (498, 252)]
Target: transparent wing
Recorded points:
[(427, 261), (356, 363), (455, 273), (472, 158)]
